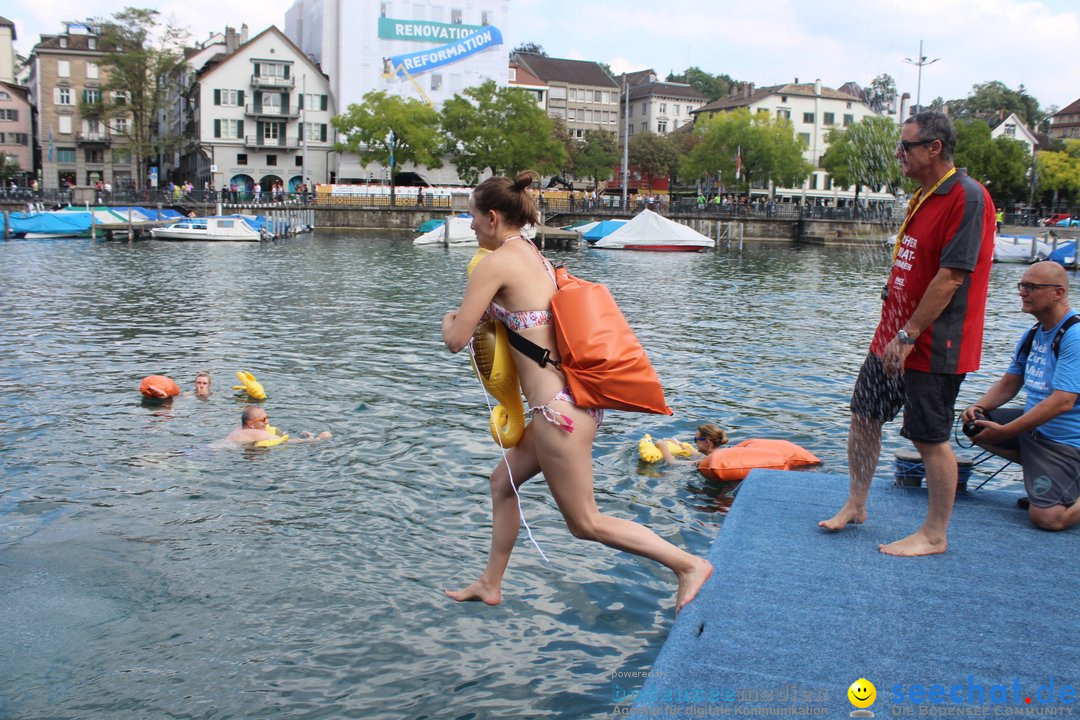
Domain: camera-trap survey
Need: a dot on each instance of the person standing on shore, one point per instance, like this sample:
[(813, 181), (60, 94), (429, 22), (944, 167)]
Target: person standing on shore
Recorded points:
[(515, 284), (930, 332)]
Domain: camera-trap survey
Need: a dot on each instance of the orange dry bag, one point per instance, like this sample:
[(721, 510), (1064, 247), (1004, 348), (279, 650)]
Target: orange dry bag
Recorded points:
[(605, 365), (735, 463), (158, 387)]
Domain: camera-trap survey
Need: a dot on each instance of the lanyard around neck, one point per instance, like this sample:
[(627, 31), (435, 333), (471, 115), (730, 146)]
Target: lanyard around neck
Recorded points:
[(913, 207)]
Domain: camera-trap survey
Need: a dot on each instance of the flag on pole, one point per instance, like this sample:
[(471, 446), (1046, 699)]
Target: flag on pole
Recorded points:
[(50, 144), (738, 163)]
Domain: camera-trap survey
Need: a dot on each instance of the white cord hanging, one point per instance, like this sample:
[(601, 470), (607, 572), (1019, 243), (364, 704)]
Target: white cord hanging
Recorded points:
[(509, 473)]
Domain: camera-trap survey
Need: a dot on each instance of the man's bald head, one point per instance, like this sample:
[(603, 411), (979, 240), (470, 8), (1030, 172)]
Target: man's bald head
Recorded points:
[(1047, 272)]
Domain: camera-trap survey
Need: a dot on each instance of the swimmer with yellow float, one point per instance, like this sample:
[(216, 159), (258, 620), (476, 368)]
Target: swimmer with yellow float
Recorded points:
[(255, 431)]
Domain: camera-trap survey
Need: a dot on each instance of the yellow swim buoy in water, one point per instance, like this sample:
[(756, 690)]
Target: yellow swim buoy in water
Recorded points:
[(250, 385), (494, 364), (269, 443), (649, 452)]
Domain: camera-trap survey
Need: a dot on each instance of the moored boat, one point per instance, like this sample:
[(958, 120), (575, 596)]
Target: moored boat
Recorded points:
[(459, 233), (229, 228), (1019, 249), (653, 232)]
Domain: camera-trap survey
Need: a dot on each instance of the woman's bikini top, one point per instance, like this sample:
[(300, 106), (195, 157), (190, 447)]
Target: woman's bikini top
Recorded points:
[(521, 319)]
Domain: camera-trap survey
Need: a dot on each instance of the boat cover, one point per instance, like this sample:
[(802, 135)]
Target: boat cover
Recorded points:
[(650, 228), (602, 229), (1065, 254), (51, 223)]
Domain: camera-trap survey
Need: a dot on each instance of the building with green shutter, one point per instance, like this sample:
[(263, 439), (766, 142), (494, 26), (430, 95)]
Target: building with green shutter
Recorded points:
[(255, 112)]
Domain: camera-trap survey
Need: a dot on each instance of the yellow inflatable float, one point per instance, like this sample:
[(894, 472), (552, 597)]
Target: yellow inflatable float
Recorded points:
[(272, 441), (493, 363), (250, 385), (649, 452)]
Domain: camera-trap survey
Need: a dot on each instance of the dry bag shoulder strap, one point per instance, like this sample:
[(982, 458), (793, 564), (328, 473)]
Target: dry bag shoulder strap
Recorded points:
[(538, 354)]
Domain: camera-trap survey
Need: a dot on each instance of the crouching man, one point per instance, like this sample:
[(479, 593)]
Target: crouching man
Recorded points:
[(1044, 437)]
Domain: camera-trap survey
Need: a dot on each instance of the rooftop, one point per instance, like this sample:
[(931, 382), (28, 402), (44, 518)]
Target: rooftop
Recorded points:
[(573, 72)]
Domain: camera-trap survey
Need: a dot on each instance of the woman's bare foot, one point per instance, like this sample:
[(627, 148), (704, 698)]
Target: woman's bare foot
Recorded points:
[(478, 591), (691, 581), (854, 514), (915, 545)]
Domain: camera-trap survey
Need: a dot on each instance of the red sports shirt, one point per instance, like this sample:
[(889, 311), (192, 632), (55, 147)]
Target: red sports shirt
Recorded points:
[(953, 228)]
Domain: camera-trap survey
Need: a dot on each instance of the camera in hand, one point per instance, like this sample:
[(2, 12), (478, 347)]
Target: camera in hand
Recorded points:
[(970, 428)]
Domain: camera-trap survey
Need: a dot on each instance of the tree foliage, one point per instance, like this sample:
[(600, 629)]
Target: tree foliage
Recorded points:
[(141, 55), (769, 149), (709, 85), (1059, 172), (863, 154), (994, 101), (501, 130), (390, 130), (596, 156), (9, 169), (1000, 164), (881, 95), (529, 48), (653, 155)]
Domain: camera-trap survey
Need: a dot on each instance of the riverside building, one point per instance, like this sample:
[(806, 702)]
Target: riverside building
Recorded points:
[(67, 74), (16, 130), (259, 113)]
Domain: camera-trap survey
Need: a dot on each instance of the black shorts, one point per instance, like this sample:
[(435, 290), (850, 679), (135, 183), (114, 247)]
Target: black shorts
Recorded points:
[(1051, 469), (928, 400)]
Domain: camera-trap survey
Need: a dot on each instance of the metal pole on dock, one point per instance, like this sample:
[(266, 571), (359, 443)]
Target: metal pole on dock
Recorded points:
[(93, 226), (7, 226), (131, 230)]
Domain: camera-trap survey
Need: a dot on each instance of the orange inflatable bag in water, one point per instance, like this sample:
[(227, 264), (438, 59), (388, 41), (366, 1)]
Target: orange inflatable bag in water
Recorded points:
[(604, 363), (158, 387), (735, 463)]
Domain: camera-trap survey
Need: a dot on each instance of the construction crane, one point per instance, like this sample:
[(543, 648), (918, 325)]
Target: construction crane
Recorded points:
[(389, 72)]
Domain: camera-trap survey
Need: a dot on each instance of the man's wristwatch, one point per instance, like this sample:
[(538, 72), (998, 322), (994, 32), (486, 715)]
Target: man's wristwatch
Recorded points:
[(904, 338)]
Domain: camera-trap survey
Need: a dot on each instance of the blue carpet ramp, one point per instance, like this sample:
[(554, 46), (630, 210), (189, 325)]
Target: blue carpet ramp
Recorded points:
[(794, 615)]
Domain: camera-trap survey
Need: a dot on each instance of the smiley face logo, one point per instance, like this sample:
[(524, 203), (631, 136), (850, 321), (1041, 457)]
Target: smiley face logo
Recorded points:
[(862, 693)]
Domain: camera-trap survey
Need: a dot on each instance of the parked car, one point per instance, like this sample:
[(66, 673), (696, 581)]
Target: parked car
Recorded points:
[(1054, 219), (1069, 222)]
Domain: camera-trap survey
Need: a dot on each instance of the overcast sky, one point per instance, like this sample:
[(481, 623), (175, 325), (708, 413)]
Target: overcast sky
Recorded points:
[(767, 42)]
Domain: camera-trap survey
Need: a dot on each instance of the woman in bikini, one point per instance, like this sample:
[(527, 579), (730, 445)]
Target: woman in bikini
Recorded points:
[(515, 283)]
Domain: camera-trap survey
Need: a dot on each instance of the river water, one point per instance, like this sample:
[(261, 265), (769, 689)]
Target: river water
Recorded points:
[(144, 574)]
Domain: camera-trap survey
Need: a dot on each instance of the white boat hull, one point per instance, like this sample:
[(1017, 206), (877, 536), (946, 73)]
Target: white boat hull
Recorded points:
[(208, 229)]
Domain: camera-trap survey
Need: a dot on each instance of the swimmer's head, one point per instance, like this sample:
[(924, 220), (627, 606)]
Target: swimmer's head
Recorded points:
[(202, 384), (713, 436), (253, 415)]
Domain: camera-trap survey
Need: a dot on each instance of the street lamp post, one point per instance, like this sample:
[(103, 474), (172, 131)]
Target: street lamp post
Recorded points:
[(919, 64)]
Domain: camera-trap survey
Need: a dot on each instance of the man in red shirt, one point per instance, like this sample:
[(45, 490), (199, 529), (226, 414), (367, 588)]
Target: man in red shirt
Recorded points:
[(930, 333)]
